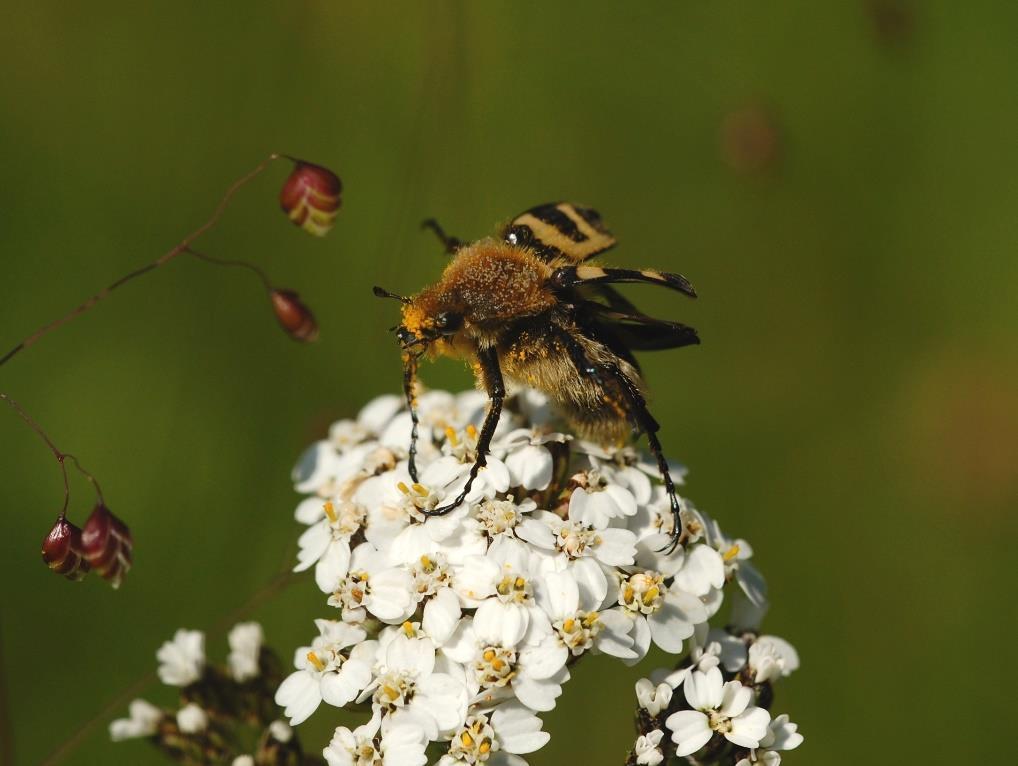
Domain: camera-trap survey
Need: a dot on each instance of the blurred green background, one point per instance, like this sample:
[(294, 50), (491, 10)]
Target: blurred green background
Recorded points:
[(837, 179)]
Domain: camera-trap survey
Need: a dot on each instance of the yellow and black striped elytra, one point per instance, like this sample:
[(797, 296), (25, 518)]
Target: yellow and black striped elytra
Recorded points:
[(560, 232), (527, 308)]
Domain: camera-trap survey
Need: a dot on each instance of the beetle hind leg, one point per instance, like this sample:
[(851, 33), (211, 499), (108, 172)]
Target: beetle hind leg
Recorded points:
[(632, 407), (452, 245)]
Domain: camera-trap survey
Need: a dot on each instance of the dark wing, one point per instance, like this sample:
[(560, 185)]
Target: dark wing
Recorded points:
[(612, 297), (578, 276), (559, 232), (636, 332)]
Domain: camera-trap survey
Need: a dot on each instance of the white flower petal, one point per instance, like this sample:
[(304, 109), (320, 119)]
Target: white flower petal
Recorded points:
[(313, 544), (245, 641), (539, 695), (143, 721), (441, 615), (690, 731), (749, 728), (309, 510), (182, 660), (641, 639), (444, 698), (530, 467), (543, 660), (559, 595), (518, 729), (342, 687), (475, 579), (782, 734), (614, 637), (702, 570), (502, 624), (376, 414), (591, 581), (333, 566), (674, 621), (391, 595), (735, 698), (617, 548), (704, 691), (299, 695), (462, 645), (535, 533), (416, 655)]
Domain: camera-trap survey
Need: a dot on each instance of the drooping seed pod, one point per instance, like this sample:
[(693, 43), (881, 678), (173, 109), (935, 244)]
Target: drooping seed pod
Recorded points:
[(63, 552), (311, 197), (107, 545), (294, 316)]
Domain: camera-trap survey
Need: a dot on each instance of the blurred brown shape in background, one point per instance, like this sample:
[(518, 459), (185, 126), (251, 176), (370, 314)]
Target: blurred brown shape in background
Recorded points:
[(750, 140), (892, 21), (961, 431)]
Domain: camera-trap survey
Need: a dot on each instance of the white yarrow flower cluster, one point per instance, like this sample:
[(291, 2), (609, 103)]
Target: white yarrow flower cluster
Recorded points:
[(458, 630), (221, 707)]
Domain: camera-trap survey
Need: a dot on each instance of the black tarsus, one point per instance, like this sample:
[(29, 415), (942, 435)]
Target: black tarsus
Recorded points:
[(492, 375), (650, 427), (410, 391), (452, 245)]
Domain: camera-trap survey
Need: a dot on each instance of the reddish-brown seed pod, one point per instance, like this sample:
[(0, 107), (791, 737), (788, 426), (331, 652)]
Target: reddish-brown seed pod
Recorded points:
[(294, 316), (107, 544), (311, 197), (62, 550)]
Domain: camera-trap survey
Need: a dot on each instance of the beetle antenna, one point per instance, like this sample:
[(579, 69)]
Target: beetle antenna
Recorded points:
[(383, 293)]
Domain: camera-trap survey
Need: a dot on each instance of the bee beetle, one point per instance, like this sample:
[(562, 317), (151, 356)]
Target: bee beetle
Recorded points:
[(528, 308)]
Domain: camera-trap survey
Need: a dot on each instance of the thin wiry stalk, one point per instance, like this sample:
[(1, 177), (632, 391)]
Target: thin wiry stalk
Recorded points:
[(166, 257)]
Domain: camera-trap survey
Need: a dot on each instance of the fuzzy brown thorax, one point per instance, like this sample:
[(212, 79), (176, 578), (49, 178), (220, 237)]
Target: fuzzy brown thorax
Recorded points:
[(487, 283)]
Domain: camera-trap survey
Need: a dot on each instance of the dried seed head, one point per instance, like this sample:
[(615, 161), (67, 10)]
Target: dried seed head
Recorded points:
[(62, 550), (311, 197), (107, 545), (294, 316)]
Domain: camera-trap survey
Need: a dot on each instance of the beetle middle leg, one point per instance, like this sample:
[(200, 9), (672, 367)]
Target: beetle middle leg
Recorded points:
[(491, 373)]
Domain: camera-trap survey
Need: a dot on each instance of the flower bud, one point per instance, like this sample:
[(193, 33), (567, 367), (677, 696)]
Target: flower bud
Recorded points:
[(107, 544), (294, 316), (310, 197), (62, 550)]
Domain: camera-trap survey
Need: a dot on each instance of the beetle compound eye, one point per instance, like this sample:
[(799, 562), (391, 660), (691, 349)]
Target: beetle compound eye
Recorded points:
[(405, 337), (448, 322), (520, 236)]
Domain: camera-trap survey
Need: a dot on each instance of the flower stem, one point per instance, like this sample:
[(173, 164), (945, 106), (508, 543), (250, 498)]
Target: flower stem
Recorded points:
[(181, 247), (231, 262), (61, 457), (7, 743)]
